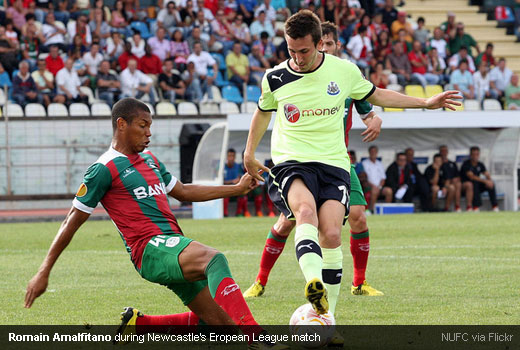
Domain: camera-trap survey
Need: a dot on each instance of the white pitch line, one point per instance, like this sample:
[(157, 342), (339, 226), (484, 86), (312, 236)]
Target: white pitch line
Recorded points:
[(468, 258), (466, 246)]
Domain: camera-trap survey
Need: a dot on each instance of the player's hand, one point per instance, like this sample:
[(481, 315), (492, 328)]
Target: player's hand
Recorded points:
[(246, 184), (445, 99), (254, 168), (36, 287), (373, 129)]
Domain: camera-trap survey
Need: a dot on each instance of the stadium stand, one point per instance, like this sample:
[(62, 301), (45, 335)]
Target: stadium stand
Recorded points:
[(165, 108), (187, 108), (14, 110), (210, 108), (79, 110), (101, 109), (229, 108), (57, 110), (35, 110), (471, 105)]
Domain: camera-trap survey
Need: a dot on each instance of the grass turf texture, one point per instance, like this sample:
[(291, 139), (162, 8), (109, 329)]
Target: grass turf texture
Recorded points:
[(433, 268)]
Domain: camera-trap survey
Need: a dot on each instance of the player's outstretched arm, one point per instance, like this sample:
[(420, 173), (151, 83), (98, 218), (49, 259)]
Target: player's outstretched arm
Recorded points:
[(389, 98), (259, 125), (38, 284), (201, 193)]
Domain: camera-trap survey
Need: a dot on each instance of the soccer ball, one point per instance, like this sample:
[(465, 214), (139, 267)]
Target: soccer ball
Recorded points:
[(311, 330)]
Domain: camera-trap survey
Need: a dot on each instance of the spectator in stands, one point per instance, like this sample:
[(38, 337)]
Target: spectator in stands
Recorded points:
[(258, 64), (45, 83), (135, 83), (119, 20), (232, 174), (389, 13), (475, 180), (169, 18), (267, 48), (53, 60), (150, 63), (196, 36), (138, 44), (481, 82), (486, 56), (462, 80), (360, 48), (54, 32), (179, 49), (77, 44), (246, 8), (378, 24), (378, 76), (238, 70), (419, 64), (81, 28), (282, 10), (44, 7), (383, 46), (376, 178), (8, 52), (329, 11), (421, 33), (68, 84), (398, 179), (126, 56), (399, 64), (108, 84), (451, 175), (358, 166), (10, 32), (30, 47), (31, 25), (512, 93), (99, 27), (400, 23), (80, 67), (240, 32), (5, 80), (418, 182), (347, 19), (202, 82), (437, 66), (188, 13), (439, 188), (24, 87), (17, 13), (170, 82), (366, 21), (462, 55), (449, 27), (407, 46), (222, 31), (439, 43), (462, 39), (499, 77), (270, 12), (205, 30), (115, 47), (199, 7), (160, 44), (93, 59), (260, 25)]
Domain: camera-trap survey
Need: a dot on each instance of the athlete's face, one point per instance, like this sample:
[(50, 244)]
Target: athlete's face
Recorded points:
[(137, 133), (328, 45), (303, 52)]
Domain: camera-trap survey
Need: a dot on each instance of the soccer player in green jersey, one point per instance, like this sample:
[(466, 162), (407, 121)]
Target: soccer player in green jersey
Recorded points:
[(359, 239), (310, 181), (132, 184)]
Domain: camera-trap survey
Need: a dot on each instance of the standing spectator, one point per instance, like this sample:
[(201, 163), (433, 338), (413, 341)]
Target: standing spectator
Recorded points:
[(462, 39), (108, 84), (499, 77), (68, 84), (93, 59), (135, 83), (439, 188), (419, 64), (81, 28), (180, 50), (160, 44), (481, 82), (400, 23), (201, 60), (267, 48), (475, 180), (238, 70), (360, 48), (462, 80), (399, 64), (437, 66), (421, 33), (150, 63), (378, 77), (246, 8), (53, 60), (261, 24), (512, 93), (486, 56), (115, 46), (169, 18), (170, 82), (24, 87), (258, 64), (462, 55), (376, 178), (54, 32), (45, 83), (449, 27), (99, 27), (138, 44), (439, 43), (126, 56), (389, 13), (383, 46), (451, 175)]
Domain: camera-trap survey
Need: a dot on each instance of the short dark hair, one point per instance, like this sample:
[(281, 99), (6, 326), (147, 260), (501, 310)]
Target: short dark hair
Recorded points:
[(463, 61), (474, 148), (329, 28), (372, 147), (231, 150), (361, 29), (437, 155), (128, 109), (420, 19), (303, 23), (264, 35), (489, 45), (400, 154)]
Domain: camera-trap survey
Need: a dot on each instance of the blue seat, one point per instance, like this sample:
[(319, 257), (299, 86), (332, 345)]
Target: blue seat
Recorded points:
[(220, 81), (221, 61), (13, 74), (253, 93), (232, 94), (142, 28)]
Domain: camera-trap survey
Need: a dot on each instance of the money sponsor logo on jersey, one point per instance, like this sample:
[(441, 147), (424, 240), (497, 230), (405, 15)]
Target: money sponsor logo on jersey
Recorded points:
[(142, 192), (333, 89), (292, 113), (82, 190), (320, 111)]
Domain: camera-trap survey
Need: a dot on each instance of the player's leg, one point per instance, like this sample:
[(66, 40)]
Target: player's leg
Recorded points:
[(273, 248), (388, 194), (434, 192), (374, 195), (458, 190), (450, 195), (478, 187), (468, 190), (257, 197)]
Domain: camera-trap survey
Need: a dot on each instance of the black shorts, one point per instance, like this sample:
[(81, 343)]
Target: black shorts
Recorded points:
[(324, 181)]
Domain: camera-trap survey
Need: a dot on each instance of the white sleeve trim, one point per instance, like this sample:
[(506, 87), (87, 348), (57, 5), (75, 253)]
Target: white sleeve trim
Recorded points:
[(171, 185), (364, 116), (80, 206)]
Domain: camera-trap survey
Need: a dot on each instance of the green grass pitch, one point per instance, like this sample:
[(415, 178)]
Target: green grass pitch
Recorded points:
[(434, 269)]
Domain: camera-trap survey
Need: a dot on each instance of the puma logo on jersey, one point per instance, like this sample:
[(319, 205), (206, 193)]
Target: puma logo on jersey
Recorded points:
[(308, 246), (230, 289), (279, 78), (142, 192)]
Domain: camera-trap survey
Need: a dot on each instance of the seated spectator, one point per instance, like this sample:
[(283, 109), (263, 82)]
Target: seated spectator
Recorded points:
[(246, 8), (222, 31), (407, 45), (419, 64), (201, 83), (169, 18), (329, 11), (108, 84), (388, 12), (267, 48), (282, 11), (24, 87), (258, 64), (138, 44), (437, 66), (45, 83), (5, 80), (378, 77), (238, 70), (53, 61), (451, 175), (261, 24), (366, 21), (8, 52), (120, 19), (170, 82), (54, 32), (378, 24), (188, 13), (486, 56), (77, 44), (30, 47), (206, 30), (135, 83), (179, 49), (81, 28), (80, 67), (400, 23), (32, 25), (360, 48), (196, 36), (240, 32), (475, 180), (383, 46), (99, 27), (160, 44), (462, 80), (421, 33), (499, 77), (512, 93), (439, 43), (462, 39), (439, 188), (93, 59), (418, 180), (481, 83), (150, 63), (353, 160), (10, 33), (126, 56), (449, 27), (462, 55), (199, 6), (115, 46), (68, 84), (376, 178), (270, 12), (398, 179), (17, 13), (399, 64)]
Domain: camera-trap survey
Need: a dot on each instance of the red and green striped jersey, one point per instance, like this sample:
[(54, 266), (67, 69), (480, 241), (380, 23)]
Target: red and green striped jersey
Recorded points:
[(362, 107), (133, 190)]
